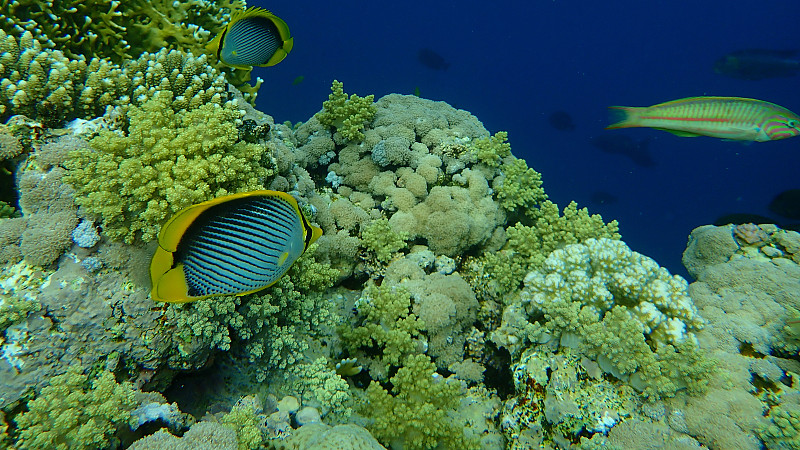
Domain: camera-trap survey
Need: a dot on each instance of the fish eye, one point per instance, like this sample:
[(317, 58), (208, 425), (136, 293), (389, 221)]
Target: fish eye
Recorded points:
[(791, 123)]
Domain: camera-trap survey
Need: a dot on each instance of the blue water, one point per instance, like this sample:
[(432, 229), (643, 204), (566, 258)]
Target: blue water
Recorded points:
[(513, 63)]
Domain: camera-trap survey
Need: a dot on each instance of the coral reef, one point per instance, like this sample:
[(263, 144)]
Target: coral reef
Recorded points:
[(74, 412), (347, 115), (166, 162)]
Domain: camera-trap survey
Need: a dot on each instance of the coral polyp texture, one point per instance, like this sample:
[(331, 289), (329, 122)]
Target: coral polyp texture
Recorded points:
[(166, 162)]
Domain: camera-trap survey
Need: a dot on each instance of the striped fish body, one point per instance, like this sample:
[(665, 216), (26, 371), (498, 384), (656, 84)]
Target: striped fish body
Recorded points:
[(254, 37), (232, 245), (731, 118)]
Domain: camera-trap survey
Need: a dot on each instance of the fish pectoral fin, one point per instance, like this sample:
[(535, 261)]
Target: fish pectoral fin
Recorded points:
[(283, 258), (680, 132)]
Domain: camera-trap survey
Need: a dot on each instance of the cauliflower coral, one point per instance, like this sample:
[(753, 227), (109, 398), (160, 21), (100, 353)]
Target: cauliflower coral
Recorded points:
[(166, 162)]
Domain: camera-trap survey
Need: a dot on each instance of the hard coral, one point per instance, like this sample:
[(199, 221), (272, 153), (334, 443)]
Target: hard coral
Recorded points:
[(74, 412), (51, 87), (168, 161), (415, 414), (348, 115), (618, 306)]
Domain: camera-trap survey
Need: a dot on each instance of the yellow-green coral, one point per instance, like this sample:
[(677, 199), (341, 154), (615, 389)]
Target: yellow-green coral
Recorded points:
[(74, 412), (167, 161), (415, 415), (528, 246), (348, 116), (46, 85), (783, 431), (118, 30), (519, 188), (491, 150), (386, 325), (245, 420), (320, 386), (379, 239)]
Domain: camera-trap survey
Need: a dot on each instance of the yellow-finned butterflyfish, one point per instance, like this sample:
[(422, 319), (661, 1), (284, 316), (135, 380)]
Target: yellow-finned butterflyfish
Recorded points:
[(232, 245), (734, 118), (253, 37)]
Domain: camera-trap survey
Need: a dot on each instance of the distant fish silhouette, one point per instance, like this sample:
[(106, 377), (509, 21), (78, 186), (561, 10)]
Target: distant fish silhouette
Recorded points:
[(626, 146), (297, 80), (757, 64), (603, 198), (431, 59), (786, 204), (562, 121), (740, 218)]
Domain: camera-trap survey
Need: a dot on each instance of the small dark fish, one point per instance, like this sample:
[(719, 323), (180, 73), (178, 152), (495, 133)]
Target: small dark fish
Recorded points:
[(786, 204), (431, 59), (562, 121), (740, 218), (757, 64), (625, 146), (603, 198), (297, 80)]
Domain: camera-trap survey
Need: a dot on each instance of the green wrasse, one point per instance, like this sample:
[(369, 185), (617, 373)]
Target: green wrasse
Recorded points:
[(734, 118)]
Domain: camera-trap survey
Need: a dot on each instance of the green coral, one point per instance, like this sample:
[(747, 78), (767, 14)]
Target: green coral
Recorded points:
[(244, 418), (385, 325), (380, 239), (519, 187), (491, 150), (620, 308), (528, 246), (7, 211), (415, 414), (783, 431), (270, 328), (46, 85), (348, 115), (74, 412), (118, 30), (166, 162), (320, 386), (14, 309)]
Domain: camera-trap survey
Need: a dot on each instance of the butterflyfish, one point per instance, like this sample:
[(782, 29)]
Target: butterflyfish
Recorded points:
[(232, 245), (733, 118), (253, 37)]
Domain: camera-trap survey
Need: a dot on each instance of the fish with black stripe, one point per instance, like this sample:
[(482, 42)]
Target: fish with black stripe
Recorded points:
[(232, 245), (253, 37)]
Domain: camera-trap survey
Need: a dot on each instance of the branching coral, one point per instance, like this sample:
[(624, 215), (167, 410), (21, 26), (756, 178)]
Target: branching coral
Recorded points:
[(386, 325), (415, 414), (620, 307), (379, 239), (528, 246), (519, 187), (75, 412), (117, 30), (46, 85), (168, 161), (491, 150), (347, 115)]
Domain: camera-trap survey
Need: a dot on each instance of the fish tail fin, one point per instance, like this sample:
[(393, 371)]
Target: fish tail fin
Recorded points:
[(623, 117)]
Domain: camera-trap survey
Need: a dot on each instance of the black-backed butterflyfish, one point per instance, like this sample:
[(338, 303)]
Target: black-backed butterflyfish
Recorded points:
[(253, 37), (232, 245)]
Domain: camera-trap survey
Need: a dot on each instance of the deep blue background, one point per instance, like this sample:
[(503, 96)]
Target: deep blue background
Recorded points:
[(513, 63)]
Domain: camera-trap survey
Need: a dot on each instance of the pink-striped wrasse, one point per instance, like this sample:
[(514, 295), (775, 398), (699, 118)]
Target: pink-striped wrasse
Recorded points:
[(734, 118)]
